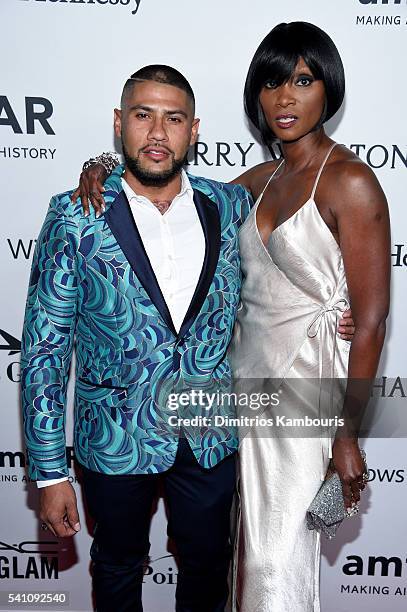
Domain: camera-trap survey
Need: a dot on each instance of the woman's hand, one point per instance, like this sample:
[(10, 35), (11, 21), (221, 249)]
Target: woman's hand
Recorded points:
[(346, 327), (351, 467), (91, 188)]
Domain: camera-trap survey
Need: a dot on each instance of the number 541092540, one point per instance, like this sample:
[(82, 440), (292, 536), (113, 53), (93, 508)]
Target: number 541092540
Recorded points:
[(37, 598)]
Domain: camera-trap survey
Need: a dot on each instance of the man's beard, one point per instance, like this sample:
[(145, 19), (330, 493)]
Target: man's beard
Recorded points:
[(152, 179)]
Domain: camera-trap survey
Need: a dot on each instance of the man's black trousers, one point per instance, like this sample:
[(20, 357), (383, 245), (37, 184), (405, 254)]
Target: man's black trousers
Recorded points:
[(198, 504)]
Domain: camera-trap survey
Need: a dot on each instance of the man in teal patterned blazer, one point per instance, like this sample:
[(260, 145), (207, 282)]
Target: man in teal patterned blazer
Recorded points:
[(148, 291)]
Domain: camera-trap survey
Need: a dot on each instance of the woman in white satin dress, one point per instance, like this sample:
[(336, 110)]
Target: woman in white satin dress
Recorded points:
[(316, 241)]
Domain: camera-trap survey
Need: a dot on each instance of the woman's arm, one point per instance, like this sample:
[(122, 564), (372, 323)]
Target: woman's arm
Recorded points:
[(94, 173), (361, 211)]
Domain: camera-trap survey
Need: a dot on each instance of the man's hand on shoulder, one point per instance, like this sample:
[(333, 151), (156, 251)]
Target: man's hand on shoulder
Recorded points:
[(59, 510)]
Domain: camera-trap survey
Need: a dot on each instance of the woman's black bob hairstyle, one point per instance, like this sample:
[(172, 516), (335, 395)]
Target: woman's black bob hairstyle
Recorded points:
[(276, 59)]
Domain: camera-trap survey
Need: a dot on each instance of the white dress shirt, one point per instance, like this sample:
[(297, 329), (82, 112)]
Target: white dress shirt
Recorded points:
[(175, 246), (174, 243)]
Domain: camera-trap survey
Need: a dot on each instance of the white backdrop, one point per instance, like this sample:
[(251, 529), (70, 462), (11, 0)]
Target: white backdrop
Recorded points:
[(63, 64)]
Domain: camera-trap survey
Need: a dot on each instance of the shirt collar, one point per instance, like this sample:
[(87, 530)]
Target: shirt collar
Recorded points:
[(186, 189)]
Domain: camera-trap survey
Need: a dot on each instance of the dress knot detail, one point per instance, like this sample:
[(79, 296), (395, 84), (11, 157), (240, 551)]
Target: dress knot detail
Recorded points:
[(340, 305)]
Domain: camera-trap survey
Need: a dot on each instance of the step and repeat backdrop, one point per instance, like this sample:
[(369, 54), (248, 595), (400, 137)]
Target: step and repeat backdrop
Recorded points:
[(63, 64)]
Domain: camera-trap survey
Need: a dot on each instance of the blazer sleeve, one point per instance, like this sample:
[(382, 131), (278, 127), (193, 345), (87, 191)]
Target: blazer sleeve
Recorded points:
[(246, 202), (47, 344)]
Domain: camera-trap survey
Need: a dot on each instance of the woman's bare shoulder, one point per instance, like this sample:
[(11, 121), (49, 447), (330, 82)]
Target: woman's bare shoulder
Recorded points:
[(255, 178), (345, 165), (348, 180)]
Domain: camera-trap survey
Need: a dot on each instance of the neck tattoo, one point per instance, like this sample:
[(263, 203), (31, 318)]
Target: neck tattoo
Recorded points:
[(162, 205)]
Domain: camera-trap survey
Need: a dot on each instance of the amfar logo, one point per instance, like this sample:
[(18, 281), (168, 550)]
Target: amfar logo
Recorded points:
[(373, 566), (17, 459), (133, 3), (37, 113), (382, 1), (28, 568), (9, 459)]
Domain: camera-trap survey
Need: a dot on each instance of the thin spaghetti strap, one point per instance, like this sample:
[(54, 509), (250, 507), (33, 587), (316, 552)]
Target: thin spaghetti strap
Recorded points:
[(272, 176), (320, 170)]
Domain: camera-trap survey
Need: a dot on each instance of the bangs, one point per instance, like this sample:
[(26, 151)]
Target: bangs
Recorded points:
[(278, 68), (279, 57), (281, 66)]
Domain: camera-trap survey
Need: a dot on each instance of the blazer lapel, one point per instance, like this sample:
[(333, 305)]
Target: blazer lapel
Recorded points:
[(124, 228), (209, 217), (121, 222)]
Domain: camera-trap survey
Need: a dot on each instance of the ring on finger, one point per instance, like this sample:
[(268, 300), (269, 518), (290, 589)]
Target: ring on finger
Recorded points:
[(352, 510)]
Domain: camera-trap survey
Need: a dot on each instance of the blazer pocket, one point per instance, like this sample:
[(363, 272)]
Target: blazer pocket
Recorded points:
[(101, 385), (91, 401), (98, 411)]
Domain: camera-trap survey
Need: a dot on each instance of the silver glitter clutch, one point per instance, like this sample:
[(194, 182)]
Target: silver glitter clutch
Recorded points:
[(327, 510)]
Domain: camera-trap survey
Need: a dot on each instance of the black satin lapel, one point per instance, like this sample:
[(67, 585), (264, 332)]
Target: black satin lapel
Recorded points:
[(209, 217), (124, 228)]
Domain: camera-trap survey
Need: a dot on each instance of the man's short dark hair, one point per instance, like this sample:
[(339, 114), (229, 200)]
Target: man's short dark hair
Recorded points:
[(160, 73), (276, 59)]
